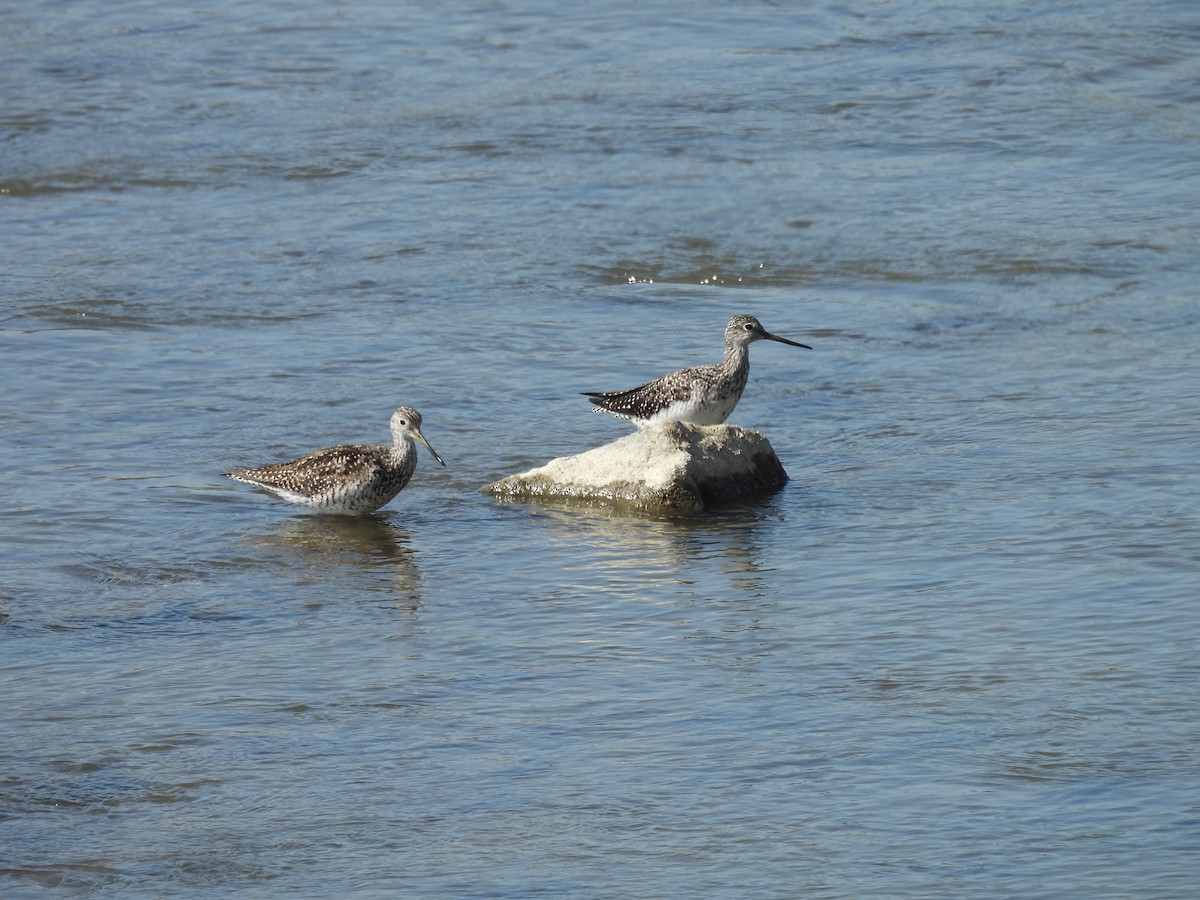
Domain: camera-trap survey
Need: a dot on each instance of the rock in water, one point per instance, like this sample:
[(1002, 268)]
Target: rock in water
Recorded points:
[(675, 468)]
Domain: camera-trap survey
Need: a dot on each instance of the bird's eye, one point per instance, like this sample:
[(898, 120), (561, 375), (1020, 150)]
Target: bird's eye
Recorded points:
[(749, 326)]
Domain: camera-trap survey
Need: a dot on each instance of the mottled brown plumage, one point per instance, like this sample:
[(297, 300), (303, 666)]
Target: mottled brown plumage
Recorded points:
[(350, 479), (702, 395)]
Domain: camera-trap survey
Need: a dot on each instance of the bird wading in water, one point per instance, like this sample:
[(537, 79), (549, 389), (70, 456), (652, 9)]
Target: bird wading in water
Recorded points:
[(350, 479)]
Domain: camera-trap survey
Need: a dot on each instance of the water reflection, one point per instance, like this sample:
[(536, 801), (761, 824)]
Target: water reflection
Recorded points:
[(632, 548), (373, 547)]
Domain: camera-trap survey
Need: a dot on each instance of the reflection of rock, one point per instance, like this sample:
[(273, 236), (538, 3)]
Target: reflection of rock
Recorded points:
[(676, 468)]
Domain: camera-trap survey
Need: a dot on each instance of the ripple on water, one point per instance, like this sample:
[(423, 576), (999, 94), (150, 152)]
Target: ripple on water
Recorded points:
[(954, 656)]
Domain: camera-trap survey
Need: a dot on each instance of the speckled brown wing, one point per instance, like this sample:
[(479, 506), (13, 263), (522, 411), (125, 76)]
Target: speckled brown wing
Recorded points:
[(316, 472), (644, 400)]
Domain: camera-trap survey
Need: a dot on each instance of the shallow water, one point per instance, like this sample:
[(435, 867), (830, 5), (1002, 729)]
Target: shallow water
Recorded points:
[(956, 655)]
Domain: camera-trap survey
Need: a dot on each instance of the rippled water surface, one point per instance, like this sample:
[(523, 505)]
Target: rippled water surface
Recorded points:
[(955, 656)]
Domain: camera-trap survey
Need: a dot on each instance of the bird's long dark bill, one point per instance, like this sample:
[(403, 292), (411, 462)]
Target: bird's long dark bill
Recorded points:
[(421, 438), (775, 337)]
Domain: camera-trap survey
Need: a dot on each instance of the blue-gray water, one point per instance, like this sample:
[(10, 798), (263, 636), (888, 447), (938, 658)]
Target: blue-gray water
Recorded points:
[(955, 656)]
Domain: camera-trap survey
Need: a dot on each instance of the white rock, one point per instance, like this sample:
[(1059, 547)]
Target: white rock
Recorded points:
[(675, 468)]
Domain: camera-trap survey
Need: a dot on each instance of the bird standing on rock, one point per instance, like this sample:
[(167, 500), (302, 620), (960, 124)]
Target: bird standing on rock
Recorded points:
[(701, 395)]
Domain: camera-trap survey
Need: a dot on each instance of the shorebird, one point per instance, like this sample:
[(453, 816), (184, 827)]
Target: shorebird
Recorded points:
[(702, 395), (350, 479)]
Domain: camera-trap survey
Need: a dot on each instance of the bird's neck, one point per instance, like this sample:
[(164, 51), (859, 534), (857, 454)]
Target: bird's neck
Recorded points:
[(737, 356), (402, 447)]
